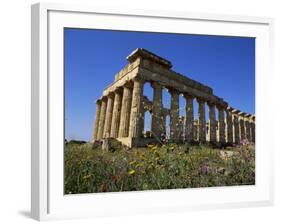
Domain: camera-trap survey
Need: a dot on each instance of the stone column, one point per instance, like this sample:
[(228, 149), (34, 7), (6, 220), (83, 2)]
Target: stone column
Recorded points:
[(242, 128), (136, 119), (180, 128), (125, 111), (221, 125), (189, 121), (213, 122), (156, 119), (253, 130), (202, 120), (102, 117), (116, 113), (247, 129), (108, 115), (164, 115), (236, 129), (97, 118), (174, 115), (229, 127)]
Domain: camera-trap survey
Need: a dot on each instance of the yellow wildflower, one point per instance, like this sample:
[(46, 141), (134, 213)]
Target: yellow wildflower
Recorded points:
[(131, 172)]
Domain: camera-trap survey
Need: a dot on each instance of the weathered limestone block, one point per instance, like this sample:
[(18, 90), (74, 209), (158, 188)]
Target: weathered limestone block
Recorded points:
[(202, 120), (125, 111), (102, 117), (212, 122), (108, 115), (229, 127), (156, 118), (116, 113), (174, 116), (189, 121), (110, 144), (97, 118), (135, 130), (221, 125)]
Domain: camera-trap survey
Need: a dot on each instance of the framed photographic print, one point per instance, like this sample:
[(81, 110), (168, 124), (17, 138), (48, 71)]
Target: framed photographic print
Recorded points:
[(138, 111)]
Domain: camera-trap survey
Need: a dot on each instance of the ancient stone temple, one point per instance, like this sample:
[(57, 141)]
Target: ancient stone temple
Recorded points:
[(120, 110)]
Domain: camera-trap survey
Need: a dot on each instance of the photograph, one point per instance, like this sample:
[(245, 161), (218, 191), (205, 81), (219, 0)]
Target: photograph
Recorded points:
[(157, 111)]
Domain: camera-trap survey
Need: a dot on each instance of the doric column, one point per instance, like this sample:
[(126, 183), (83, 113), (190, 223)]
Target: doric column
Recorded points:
[(156, 118), (125, 111), (189, 118), (202, 120), (213, 122), (242, 128), (97, 118), (174, 115), (136, 119), (180, 128), (116, 113), (108, 115), (221, 125), (253, 131), (236, 129), (247, 130), (102, 117), (229, 126)]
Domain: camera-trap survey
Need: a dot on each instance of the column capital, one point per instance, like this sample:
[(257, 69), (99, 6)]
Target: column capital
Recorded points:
[(241, 114), (211, 103), (155, 85), (221, 106), (173, 91), (200, 99), (98, 101), (188, 96), (128, 84), (110, 95), (118, 90), (138, 79), (103, 98)]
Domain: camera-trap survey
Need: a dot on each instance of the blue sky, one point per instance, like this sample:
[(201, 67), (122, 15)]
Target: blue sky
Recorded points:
[(93, 57)]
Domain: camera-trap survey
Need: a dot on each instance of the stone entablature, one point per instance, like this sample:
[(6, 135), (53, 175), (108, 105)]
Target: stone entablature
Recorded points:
[(120, 111)]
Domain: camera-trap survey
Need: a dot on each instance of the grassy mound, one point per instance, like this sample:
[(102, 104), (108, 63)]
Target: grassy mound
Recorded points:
[(168, 166)]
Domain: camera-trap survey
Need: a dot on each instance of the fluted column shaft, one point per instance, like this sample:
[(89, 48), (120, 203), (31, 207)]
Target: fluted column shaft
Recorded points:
[(125, 112), (156, 118), (108, 116), (97, 117), (102, 118), (202, 120), (229, 127), (236, 129), (116, 114), (136, 119), (253, 131), (247, 129), (242, 129), (174, 116), (221, 125), (213, 122), (189, 120)]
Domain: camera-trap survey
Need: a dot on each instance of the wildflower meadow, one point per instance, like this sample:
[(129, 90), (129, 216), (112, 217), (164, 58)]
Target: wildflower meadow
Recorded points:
[(90, 169)]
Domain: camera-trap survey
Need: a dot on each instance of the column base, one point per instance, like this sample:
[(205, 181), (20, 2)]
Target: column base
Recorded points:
[(137, 142)]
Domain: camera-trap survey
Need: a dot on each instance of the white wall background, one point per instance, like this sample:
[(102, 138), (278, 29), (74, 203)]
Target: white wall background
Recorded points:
[(15, 110)]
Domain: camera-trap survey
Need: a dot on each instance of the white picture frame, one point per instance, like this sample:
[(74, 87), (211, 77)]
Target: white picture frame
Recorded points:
[(48, 201)]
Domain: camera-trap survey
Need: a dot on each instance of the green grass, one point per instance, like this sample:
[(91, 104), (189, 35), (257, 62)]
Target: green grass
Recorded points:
[(168, 166)]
